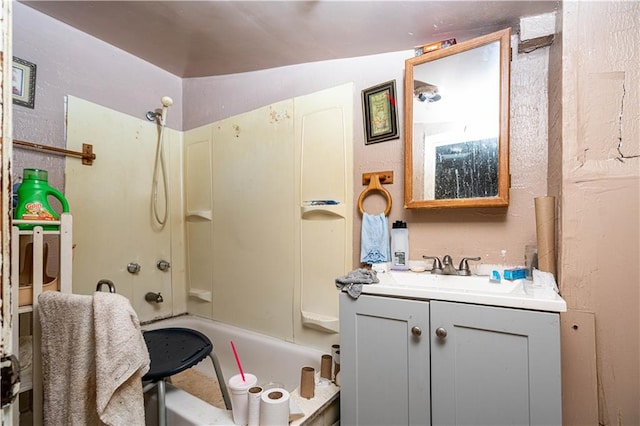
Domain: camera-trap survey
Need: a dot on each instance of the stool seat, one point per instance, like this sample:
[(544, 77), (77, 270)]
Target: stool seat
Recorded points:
[(173, 350)]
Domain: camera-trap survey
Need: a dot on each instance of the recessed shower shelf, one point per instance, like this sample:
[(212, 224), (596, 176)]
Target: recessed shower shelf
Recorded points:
[(206, 215), (321, 322), (315, 212), (201, 294)]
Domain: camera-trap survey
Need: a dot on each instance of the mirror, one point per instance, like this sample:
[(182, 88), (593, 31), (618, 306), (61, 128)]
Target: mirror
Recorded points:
[(457, 125)]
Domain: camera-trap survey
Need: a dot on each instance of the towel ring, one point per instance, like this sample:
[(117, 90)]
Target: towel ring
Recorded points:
[(374, 185)]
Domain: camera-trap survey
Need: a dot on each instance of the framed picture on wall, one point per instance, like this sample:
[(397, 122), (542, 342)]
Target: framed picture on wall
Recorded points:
[(24, 83), (379, 110)]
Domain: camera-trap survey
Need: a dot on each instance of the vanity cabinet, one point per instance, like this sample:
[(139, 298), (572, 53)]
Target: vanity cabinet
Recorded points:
[(421, 362), (384, 361)]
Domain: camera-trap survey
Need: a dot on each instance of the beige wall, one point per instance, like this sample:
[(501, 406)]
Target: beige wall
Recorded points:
[(600, 253), (496, 235)]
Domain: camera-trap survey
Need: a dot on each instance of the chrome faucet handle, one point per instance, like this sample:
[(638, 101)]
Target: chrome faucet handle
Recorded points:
[(464, 266), (437, 266)]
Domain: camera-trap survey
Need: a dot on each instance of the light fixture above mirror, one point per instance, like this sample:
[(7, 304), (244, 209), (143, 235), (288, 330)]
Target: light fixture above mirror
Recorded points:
[(457, 125)]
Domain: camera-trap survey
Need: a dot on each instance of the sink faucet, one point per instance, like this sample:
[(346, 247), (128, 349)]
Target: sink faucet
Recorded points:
[(447, 266)]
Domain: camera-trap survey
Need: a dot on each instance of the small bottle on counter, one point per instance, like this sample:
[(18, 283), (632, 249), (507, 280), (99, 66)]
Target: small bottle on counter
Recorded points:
[(399, 246)]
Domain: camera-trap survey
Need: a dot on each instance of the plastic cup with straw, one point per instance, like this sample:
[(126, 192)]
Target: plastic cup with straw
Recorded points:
[(239, 386)]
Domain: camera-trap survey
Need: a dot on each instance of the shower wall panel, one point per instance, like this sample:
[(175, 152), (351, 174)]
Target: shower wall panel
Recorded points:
[(324, 144), (111, 205), (266, 258), (253, 220), (198, 184)]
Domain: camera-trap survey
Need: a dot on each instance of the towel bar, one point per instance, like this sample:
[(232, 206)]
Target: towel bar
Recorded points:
[(375, 180)]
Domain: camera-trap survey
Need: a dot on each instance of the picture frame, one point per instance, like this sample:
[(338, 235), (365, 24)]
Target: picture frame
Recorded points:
[(380, 113), (23, 83)]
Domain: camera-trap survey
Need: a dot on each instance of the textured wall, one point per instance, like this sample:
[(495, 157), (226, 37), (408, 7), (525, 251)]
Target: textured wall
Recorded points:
[(600, 249)]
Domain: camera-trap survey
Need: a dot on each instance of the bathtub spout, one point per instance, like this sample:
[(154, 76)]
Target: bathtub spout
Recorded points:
[(153, 297)]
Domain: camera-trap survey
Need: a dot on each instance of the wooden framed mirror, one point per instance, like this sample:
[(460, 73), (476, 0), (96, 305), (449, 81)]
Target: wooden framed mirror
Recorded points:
[(457, 125)]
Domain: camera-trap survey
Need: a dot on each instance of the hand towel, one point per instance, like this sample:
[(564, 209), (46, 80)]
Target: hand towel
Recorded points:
[(374, 244), (354, 280), (68, 359), (122, 359), (93, 359)]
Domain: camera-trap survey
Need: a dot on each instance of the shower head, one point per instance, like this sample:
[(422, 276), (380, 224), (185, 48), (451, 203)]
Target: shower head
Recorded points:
[(166, 103)]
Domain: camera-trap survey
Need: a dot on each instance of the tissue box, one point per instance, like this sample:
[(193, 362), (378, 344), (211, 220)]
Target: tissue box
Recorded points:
[(514, 274)]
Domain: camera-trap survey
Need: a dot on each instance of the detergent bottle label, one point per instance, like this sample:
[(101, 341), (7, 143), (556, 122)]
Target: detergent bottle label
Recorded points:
[(36, 211)]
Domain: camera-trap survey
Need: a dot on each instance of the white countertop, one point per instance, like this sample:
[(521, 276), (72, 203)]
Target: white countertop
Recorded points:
[(523, 294)]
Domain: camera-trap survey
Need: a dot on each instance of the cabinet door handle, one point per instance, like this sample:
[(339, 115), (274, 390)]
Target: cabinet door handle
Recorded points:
[(441, 332), (416, 331)]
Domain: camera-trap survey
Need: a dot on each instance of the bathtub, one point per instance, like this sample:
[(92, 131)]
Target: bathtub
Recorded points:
[(271, 360)]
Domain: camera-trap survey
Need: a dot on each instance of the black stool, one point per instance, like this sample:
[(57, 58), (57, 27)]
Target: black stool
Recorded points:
[(173, 350)]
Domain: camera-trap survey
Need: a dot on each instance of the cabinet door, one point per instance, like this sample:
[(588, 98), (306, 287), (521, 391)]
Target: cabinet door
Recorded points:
[(495, 366), (384, 361)]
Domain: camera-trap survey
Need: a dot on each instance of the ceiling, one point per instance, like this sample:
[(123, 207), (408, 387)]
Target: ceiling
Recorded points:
[(206, 38)]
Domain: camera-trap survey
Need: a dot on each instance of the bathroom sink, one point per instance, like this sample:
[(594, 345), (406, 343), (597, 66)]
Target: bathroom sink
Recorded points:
[(457, 283), (475, 289)]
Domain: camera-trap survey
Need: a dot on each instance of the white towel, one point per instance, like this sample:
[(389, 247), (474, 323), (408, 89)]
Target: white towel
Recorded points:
[(122, 359), (90, 379), (374, 244)]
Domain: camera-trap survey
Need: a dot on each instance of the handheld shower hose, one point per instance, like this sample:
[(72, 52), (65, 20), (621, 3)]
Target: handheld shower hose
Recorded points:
[(160, 167)]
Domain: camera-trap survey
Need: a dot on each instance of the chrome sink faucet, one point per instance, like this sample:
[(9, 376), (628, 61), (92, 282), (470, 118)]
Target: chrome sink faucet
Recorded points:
[(446, 266)]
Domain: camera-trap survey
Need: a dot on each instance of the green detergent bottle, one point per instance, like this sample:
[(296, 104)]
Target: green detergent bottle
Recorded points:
[(33, 195)]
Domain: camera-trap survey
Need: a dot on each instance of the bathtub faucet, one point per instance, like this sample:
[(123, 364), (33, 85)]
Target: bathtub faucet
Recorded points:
[(152, 297)]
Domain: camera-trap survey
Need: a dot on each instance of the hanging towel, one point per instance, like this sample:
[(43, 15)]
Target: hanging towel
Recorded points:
[(82, 383), (374, 244), (353, 281), (122, 359)]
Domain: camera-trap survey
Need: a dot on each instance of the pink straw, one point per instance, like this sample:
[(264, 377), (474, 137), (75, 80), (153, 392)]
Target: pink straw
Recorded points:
[(235, 354)]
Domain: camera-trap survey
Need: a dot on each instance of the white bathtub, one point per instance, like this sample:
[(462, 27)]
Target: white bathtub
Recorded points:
[(271, 360)]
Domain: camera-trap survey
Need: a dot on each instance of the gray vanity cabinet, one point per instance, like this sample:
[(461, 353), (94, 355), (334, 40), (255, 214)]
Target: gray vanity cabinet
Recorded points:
[(384, 361), (410, 362), (494, 366)]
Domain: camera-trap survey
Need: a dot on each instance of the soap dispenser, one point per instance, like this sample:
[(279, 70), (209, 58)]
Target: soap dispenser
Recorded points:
[(399, 246)]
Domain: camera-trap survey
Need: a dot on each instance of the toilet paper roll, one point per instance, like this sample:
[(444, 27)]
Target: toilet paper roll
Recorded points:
[(335, 354), (307, 382), (546, 233), (255, 396), (274, 407), (325, 366)]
